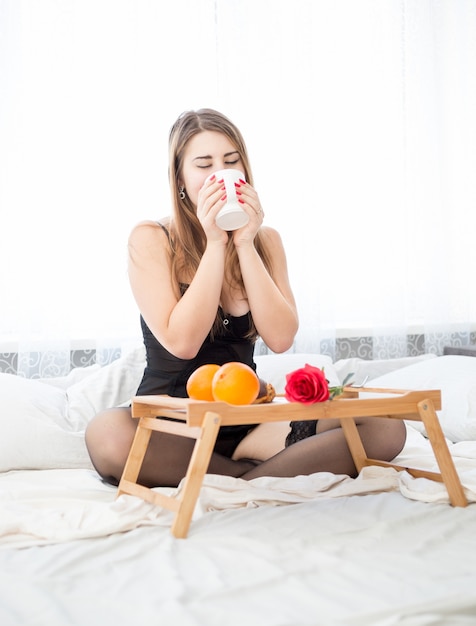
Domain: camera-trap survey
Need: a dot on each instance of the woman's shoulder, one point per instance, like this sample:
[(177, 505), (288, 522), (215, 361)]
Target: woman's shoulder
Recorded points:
[(268, 231), (149, 229), (270, 236), (149, 240)]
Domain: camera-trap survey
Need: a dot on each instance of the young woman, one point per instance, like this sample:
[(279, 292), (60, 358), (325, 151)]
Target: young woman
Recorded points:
[(205, 295)]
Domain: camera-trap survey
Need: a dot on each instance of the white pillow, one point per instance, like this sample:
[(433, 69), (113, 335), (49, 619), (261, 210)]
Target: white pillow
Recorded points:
[(34, 432), (266, 440), (362, 368), (455, 376), (42, 425), (75, 375), (110, 386)]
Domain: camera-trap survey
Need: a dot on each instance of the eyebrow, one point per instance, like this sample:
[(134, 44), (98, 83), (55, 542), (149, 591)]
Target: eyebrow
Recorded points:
[(228, 154)]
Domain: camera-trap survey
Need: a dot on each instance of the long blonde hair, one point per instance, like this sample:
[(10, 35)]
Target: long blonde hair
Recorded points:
[(188, 239)]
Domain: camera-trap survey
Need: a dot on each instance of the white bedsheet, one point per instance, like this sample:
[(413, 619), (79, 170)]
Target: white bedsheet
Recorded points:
[(382, 549), (52, 506)]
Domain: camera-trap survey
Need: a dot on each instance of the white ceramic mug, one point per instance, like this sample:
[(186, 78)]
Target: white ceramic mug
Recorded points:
[(232, 215)]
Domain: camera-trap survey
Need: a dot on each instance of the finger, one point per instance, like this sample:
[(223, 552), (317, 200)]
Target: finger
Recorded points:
[(210, 192), (249, 194), (251, 204)]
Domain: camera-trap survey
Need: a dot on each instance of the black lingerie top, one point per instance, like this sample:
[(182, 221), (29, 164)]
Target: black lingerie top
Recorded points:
[(167, 374)]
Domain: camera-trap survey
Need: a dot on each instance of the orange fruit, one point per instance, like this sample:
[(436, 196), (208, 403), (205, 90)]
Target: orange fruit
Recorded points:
[(235, 383), (199, 383)]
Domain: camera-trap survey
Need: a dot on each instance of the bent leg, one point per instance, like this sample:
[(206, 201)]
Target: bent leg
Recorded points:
[(327, 450), (109, 438)]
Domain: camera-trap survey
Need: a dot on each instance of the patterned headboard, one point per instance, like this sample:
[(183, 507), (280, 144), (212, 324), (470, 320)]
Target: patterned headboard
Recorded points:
[(53, 363)]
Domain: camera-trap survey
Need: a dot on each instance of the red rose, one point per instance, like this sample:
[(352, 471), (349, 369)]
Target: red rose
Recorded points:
[(307, 385)]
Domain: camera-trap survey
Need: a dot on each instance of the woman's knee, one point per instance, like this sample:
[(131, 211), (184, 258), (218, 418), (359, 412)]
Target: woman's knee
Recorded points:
[(398, 438), (108, 438), (383, 438)]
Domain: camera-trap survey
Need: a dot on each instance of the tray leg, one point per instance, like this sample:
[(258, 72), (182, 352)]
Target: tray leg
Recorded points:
[(182, 504), (196, 471), (356, 447), (442, 453), (135, 458)]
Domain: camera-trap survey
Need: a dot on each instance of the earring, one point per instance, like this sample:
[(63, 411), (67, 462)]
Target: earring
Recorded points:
[(182, 194)]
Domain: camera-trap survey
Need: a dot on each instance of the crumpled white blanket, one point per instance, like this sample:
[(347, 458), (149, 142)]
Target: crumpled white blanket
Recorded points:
[(54, 506)]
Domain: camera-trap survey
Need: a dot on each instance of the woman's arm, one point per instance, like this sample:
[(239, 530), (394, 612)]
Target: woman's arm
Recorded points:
[(180, 324), (271, 300)]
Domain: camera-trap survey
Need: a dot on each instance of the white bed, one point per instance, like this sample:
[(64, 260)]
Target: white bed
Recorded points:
[(382, 549)]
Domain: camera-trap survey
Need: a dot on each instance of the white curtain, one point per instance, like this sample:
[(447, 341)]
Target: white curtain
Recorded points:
[(360, 122)]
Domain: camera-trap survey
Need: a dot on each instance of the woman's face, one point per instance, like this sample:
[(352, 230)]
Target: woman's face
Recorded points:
[(205, 153)]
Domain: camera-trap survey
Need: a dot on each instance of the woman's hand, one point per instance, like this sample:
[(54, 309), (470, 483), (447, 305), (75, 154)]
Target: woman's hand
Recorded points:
[(250, 203), (211, 199)]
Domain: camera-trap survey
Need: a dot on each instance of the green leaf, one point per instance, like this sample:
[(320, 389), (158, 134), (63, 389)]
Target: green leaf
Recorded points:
[(339, 389), (347, 378)]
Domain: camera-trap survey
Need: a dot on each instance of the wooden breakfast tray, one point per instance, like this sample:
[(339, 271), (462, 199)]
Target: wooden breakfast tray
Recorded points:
[(202, 420)]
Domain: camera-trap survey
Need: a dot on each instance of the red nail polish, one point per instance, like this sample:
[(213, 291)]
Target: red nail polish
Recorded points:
[(220, 181), (212, 178), (223, 197), (243, 182), (238, 193), (223, 188), (240, 200), (237, 185)]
